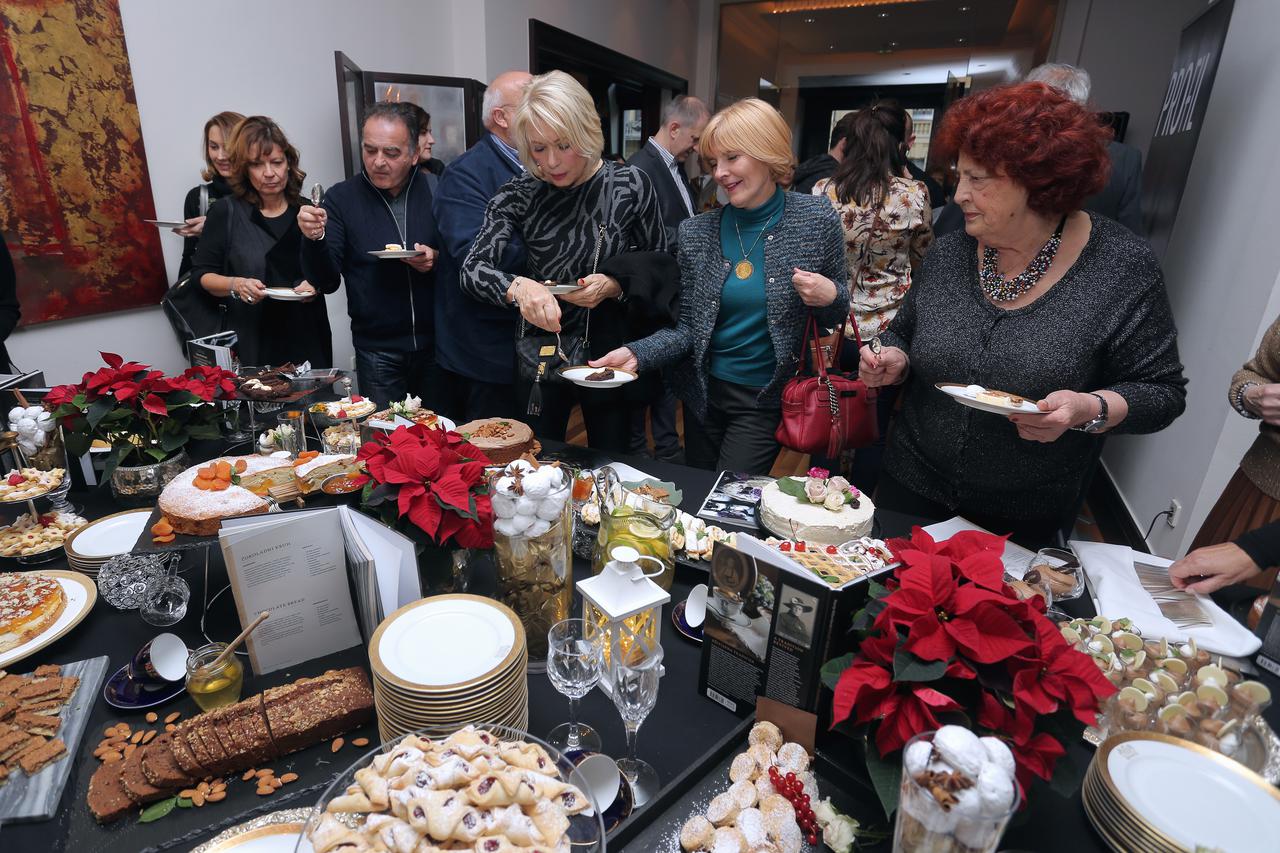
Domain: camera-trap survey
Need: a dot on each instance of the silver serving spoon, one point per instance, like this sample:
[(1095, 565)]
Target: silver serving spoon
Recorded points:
[(317, 194)]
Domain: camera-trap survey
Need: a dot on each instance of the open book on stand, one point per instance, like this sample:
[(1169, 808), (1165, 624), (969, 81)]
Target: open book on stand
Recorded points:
[(329, 576)]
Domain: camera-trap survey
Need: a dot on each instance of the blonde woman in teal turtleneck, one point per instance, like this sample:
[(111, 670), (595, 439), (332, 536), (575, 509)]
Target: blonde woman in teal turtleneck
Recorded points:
[(751, 275)]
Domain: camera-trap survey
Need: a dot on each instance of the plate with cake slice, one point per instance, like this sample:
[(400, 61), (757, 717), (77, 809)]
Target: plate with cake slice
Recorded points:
[(597, 377), (394, 250), (989, 399), (37, 608), (284, 294)]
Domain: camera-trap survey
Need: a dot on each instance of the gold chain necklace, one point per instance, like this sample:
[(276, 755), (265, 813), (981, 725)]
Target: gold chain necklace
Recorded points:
[(744, 268)]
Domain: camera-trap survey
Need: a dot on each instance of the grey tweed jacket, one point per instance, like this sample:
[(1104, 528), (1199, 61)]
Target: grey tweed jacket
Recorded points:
[(808, 236)]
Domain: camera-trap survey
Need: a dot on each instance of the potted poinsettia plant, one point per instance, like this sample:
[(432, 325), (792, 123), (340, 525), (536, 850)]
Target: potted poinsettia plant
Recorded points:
[(945, 640), (429, 484), (146, 417)]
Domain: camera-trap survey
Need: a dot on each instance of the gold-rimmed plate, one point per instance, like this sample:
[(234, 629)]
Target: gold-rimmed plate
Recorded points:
[(416, 647), (1120, 830), (81, 594), (1236, 809), (480, 710), (277, 832), (501, 682), (106, 537)]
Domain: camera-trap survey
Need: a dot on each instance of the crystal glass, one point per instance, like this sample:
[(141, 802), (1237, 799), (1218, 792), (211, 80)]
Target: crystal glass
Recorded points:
[(165, 601), (575, 662), (124, 580), (634, 675), (1059, 570), (290, 432), (237, 433), (924, 825)]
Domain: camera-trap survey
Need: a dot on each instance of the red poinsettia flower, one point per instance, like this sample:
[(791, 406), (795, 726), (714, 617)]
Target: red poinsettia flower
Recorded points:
[(943, 617), (1034, 752), (868, 692), (1059, 675)]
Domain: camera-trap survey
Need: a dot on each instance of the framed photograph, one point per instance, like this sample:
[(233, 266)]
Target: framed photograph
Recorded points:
[(350, 108)]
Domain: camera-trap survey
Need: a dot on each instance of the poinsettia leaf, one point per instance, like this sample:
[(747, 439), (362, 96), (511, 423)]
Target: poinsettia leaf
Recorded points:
[(876, 589), (98, 410), (886, 777), (792, 487), (831, 669), (170, 441), (908, 667)]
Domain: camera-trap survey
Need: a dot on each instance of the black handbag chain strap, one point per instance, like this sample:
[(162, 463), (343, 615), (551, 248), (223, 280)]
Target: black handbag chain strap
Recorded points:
[(605, 207)]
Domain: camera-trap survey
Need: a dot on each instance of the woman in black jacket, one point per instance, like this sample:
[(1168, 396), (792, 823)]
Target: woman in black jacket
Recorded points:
[(249, 254), (217, 159)]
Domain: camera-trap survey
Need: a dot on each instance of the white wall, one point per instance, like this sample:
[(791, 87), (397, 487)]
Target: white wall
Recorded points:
[(1222, 271), (192, 60), (1127, 46)]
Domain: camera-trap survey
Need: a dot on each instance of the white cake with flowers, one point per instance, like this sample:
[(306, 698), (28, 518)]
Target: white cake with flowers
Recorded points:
[(817, 508)]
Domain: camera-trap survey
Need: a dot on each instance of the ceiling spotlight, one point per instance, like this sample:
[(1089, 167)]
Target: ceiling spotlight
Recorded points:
[(831, 47), (960, 40), (808, 20), (893, 44), (965, 8), (882, 15)]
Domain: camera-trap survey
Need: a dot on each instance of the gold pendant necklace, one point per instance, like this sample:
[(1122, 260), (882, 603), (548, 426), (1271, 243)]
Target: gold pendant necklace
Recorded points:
[(744, 268)]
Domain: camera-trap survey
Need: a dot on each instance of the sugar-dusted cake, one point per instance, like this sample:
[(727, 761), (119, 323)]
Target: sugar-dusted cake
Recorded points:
[(828, 520), (314, 471), (196, 501), (29, 603), (501, 439)]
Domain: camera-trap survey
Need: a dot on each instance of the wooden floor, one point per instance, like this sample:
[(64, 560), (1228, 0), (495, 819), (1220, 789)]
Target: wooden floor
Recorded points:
[(789, 462)]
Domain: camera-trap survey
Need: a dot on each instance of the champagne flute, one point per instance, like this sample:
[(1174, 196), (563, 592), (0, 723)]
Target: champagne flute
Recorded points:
[(232, 409), (636, 670), (575, 663)]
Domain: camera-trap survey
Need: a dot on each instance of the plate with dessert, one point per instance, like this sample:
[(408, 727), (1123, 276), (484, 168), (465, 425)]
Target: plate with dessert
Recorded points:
[(408, 412), (166, 223), (21, 485), (37, 608), (345, 409), (597, 377), (989, 399), (284, 294), (395, 250)]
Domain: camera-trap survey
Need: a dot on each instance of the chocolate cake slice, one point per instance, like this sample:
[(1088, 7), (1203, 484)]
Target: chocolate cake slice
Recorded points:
[(107, 798), (136, 786), (161, 767)]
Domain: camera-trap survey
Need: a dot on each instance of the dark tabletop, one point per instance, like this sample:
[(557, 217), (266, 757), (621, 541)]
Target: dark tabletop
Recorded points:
[(677, 735)]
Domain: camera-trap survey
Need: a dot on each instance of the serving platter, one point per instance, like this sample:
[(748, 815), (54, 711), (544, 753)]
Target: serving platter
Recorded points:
[(277, 832), (81, 595)]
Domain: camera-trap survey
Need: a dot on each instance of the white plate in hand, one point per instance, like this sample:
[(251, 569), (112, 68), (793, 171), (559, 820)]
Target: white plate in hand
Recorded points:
[(968, 395), (578, 376), (559, 289), (166, 223), (284, 294), (398, 253)]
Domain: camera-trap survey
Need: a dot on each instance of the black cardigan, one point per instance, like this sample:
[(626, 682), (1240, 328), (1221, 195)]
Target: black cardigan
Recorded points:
[(237, 242), (218, 188)]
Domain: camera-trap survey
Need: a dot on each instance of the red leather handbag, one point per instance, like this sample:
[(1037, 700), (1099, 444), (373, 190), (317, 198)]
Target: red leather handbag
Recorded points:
[(826, 412)]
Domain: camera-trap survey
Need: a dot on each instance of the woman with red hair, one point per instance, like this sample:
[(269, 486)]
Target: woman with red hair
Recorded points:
[(1036, 298)]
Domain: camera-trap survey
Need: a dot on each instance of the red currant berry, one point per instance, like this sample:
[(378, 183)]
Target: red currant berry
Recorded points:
[(773, 771), (804, 798), (791, 778), (812, 838)]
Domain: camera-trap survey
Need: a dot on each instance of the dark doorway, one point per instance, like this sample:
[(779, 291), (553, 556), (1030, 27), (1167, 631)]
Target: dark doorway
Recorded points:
[(628, 93), (818, 103)]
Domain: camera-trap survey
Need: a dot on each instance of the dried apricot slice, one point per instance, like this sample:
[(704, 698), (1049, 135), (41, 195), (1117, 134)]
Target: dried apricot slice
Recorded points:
[(241, 465), (223, 470), (162, 527), (204, 484), (208, 472), (220, 485), (161, 540)]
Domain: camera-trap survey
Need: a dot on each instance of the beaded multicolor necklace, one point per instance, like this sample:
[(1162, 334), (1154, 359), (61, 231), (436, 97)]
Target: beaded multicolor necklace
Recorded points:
[(1001, 289)]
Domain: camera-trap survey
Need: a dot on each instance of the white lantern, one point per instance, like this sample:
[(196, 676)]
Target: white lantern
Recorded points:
[(623, 596)]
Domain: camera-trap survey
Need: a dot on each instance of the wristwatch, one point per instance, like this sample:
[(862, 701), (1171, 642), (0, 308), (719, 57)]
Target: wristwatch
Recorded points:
[(1100, 422)]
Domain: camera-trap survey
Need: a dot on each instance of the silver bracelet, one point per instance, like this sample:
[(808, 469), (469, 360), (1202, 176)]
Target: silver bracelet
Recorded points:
[(233, 293), (1239, 401)]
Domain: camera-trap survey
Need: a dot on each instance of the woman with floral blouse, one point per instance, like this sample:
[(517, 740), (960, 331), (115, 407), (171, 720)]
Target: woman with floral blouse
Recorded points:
[(886, 221)]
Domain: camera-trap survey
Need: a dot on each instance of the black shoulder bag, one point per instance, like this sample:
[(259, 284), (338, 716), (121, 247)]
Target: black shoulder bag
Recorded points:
[(193, 311), (538, 353)]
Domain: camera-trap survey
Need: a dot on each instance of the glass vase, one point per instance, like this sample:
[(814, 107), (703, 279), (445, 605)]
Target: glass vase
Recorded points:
[(143, 483), (443, 569)]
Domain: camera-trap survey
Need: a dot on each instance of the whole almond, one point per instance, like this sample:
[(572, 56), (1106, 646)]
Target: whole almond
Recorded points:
[(149, 736), (137, 737), (169, 727), (248, 774), (187, 794), (129, 750), (152, 716), (265, 771), (109, 731), (172, 717), (276, 783), (337, 744), (203, 787), (198, 799), (218, 786), (289, 777), (112, 756), (360, 741), (264, 791), (216, 796)]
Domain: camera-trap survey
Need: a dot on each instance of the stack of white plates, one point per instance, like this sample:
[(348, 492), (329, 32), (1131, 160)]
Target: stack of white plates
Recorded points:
[(449, 660), (1152, 792), (98, 541)]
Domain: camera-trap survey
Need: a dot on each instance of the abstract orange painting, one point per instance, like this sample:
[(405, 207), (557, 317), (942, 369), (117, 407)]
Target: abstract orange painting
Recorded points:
[(74, 188)]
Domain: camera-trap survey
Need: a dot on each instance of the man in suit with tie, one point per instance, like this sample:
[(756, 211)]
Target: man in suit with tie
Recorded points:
[(662, 158), (475, 342)]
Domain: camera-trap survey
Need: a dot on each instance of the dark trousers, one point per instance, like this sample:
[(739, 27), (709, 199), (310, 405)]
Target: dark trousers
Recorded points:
[(662, 420), (1029, 533), (465, 399), (387, 376), (605, 412), (737, 434)]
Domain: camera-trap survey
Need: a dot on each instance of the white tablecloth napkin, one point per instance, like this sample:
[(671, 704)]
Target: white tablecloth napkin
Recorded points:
[(1117, 593)]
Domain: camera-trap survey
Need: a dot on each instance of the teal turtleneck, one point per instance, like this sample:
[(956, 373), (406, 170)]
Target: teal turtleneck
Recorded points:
[(741, 349)]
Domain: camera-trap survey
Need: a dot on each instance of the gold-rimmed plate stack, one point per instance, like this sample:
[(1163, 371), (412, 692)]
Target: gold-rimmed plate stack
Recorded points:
[(100, 540), (449, 660), (1152, 792)]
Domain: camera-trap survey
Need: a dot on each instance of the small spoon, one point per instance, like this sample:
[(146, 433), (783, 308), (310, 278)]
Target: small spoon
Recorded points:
[(234, 644), (317, 194)]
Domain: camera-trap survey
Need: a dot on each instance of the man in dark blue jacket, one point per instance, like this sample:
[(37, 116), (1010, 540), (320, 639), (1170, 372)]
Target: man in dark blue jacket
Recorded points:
[(475, 341), (390, 301)]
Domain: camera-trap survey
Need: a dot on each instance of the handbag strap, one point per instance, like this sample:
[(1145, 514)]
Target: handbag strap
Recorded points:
[(204, 199)]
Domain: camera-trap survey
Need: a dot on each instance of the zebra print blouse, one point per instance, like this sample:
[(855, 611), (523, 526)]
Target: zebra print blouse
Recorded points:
[(559, 228)]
